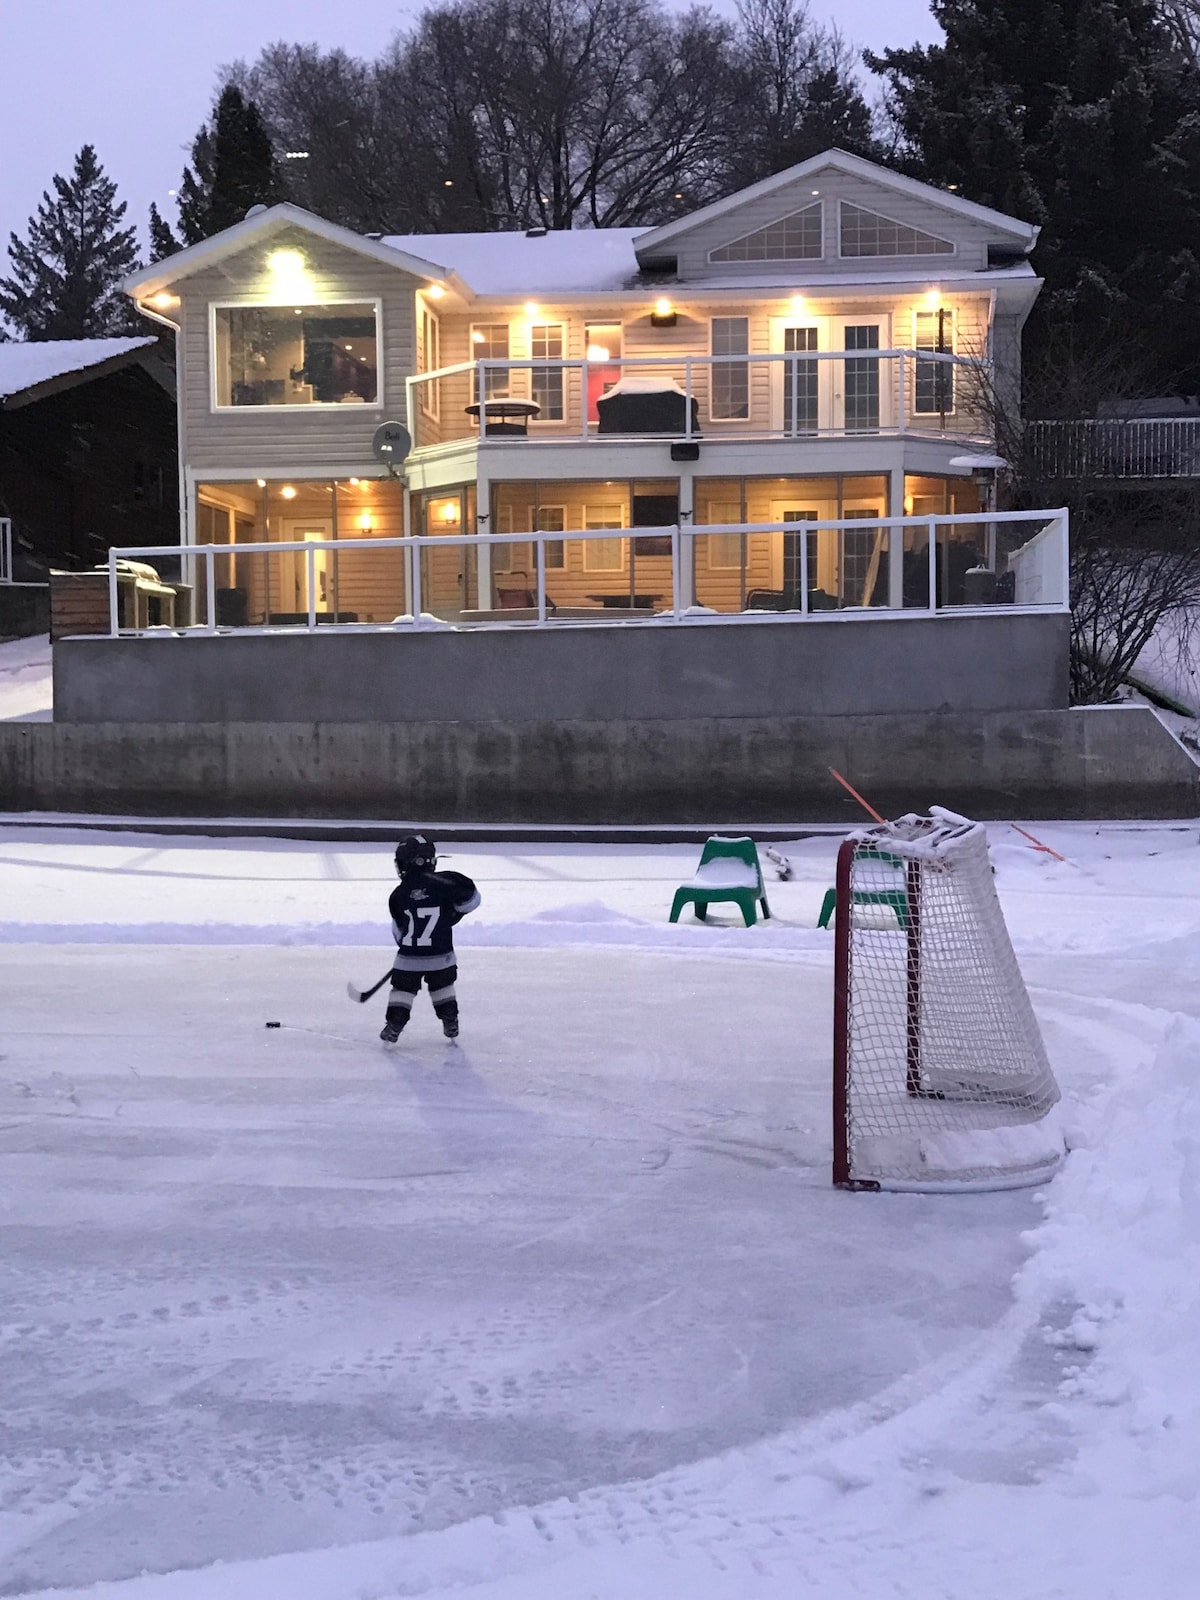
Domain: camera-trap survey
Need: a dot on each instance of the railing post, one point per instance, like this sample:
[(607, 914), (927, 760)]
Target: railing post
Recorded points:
[(793, 381), (676, 565), (114, 611), (210, 585), (583, 398), (687, 403), (310, 564), (932, 564), (415, 583), (902, 395), (540, 560), (1064, 535), (803, 537)]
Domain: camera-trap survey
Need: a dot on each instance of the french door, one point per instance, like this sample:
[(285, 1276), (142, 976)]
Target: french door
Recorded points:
[(811, 397)]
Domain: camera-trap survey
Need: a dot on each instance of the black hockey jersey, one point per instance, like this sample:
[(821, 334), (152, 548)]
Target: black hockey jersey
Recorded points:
[(424, 907)]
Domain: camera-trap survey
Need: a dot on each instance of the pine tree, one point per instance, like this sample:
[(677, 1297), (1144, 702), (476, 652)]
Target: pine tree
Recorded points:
[(163, 242), (233, 168), (66, 274), (1084, 117)]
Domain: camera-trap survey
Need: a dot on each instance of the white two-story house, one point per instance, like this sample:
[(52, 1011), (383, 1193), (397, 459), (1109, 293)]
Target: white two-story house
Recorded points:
[(789, 394)]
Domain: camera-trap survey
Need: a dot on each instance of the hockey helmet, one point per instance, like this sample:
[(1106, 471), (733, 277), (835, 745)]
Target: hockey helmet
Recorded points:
[(414, 853)]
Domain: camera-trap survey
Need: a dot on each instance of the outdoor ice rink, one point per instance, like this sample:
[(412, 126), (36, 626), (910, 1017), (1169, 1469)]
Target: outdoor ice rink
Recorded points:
[(571, 1309)]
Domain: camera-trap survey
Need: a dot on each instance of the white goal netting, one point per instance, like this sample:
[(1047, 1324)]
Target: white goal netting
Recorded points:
[(940, 1075)]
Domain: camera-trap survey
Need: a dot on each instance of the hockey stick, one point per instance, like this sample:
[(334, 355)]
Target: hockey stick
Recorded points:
[(834, 773), (365, 994)]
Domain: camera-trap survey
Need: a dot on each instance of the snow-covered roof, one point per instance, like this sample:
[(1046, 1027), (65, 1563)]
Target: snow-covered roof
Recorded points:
[(262, 222), (564, 261), (28, 366)]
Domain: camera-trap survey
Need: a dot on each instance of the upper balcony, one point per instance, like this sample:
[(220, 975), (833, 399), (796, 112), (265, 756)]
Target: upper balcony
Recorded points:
[(790, 395)]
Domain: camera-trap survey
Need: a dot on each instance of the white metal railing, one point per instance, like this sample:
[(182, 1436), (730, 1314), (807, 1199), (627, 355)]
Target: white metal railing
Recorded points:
[(796, 396), (1095, 447), (1025, 552)]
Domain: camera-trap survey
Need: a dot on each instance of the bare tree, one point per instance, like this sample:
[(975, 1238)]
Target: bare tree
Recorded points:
[(1135, 546)]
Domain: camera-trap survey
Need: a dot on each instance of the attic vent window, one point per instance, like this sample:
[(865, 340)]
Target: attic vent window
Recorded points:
[(793, 238), (866, 233)]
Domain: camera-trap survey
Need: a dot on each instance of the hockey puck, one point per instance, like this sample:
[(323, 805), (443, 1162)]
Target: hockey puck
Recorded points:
[(274, 1024)]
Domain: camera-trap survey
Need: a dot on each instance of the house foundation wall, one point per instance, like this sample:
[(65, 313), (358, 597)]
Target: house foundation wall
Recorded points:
[(1093, 762), (635, 674)]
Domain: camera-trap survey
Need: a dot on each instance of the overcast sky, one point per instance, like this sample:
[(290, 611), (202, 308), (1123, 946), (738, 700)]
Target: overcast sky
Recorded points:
[(136, 79)]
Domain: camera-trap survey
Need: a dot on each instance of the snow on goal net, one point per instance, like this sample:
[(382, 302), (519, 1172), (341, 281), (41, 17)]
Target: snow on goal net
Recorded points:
[(940, 1076)]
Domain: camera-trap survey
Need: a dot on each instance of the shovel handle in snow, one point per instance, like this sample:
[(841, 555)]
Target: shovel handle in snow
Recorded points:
[(365, 994)]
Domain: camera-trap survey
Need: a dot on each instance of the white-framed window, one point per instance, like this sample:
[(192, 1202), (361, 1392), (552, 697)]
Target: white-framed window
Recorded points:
[(553, 519), (290, 355), (934, 386), (490, 342), (729, 396), (603, 555), (869, 233), (797, 237), (546, 344), (429, 360), (724, 550)]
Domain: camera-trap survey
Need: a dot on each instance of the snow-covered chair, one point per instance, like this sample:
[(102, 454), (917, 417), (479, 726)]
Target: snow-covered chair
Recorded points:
[(729, 873)]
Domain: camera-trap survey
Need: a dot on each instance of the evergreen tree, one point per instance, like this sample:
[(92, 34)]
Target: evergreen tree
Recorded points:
[(233, 168), (163, 242), (66, 274), (1082, 116)]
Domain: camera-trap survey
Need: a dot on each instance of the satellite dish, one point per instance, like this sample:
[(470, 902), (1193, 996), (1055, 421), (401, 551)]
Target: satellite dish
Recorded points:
[(391, 444)]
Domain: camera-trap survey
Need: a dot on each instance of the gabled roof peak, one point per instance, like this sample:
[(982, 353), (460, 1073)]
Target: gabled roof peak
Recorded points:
[(652, 242), (263, 222)]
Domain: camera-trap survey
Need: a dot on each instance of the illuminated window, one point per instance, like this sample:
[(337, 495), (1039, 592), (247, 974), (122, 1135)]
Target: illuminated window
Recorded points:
[(309, 355)]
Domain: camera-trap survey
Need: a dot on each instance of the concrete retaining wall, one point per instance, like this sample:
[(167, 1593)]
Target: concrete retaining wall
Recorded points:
[(833, 666), (1095, 762)]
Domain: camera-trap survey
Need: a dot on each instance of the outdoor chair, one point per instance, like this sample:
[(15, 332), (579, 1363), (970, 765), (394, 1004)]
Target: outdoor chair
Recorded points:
[(729, 873), (896, 898)]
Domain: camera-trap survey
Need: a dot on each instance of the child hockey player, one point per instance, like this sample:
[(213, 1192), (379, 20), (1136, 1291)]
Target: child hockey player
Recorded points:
[(424, 909)]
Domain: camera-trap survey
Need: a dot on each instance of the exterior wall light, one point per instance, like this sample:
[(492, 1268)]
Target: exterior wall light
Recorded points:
[(288, 269), (450, 513), (364, 522), (531, 309), (663, 315), (288, 492), (164, 300), (435, 291)]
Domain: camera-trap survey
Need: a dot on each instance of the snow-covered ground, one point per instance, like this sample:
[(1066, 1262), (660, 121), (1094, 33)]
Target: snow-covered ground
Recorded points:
[(26, 689), (571, 1312)]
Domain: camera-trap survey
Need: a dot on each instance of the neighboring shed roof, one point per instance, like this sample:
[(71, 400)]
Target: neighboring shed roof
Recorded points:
[(563, 261), (56, 362)]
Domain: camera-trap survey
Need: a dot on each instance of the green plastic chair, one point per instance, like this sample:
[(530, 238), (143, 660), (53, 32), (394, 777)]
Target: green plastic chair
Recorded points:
[(896, 898), (729, 874)]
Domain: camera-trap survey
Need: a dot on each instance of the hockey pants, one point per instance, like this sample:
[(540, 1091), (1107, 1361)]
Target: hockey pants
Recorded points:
[(406, 985)]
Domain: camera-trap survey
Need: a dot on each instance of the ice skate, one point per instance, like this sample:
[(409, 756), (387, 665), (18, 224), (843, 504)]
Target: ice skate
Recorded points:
[(390, 1032)]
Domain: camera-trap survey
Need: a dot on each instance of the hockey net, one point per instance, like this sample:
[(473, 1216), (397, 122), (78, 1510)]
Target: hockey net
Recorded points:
[(940, 1075)]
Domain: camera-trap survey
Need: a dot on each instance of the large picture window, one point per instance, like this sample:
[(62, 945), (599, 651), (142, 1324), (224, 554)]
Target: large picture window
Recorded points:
[(323, 355)]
